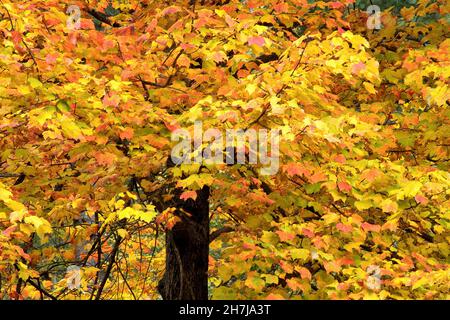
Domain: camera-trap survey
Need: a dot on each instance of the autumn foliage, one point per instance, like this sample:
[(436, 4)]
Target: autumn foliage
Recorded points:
[(360, 206)]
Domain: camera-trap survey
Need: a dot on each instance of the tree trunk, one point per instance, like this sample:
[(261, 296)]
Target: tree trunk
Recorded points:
[(187, 251)]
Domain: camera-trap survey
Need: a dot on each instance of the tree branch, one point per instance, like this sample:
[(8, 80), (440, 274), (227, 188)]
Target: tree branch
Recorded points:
[(109, 268), (215, 234), (102, 18), (41, 290)]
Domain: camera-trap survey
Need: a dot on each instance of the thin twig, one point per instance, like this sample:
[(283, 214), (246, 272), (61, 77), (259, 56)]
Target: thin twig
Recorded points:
[(112, 259)]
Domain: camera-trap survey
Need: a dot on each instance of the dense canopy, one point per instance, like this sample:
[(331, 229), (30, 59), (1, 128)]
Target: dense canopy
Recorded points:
[(91, 92)]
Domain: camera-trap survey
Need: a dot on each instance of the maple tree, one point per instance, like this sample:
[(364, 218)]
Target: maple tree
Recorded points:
[(359, 209)]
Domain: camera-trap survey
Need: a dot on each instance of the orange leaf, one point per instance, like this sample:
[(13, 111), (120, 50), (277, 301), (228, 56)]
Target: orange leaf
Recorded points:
[(304, 273), (318, 177), (370, 227), (285, 236), (344, 228), (344, 186), (127, 134)]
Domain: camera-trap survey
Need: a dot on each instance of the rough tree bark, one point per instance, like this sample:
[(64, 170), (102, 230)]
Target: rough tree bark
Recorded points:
[(187, 250)]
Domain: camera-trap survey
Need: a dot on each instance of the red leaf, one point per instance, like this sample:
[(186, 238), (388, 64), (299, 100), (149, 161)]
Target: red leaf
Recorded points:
[(152, 25), (257, 40), (308, 233), (51, 58), (8, 231), (188, 195), (356, 68), (172, 126), (340, 159), (346, 261), (336, 5), (171, 10), (421, 199), (344, 228), (344, 186), (111, 100), (296, 169), (104, 158), (22, 253), (16, 36)]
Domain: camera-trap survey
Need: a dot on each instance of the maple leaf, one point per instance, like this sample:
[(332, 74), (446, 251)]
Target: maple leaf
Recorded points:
[(370, 227), (296, 169), (257, 40), (344, 228), (344, 186), (358, 67), (336, 5), (389, 206), (318, 177), (305, 273), (188, 195), (126, 134), (421, 199)]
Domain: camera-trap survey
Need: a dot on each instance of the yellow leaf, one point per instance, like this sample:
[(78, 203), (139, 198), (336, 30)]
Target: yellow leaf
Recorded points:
[(41, 226), (269, 237), (301, 254), (225, 272), (369, 87), (271, 279), (126, 213), (5, 194), (24, 274), (255, 283), (363, 204), (149, 215), (69, 128), (119, 204), (16, 206), (34, 83), (24, 90), (419, 283), (411, 188), (251, 88), (388, 205), (352, 246), (122, 233), (330, 218)]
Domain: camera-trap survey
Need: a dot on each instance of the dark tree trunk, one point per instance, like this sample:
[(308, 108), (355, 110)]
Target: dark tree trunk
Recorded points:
[(187, 251)]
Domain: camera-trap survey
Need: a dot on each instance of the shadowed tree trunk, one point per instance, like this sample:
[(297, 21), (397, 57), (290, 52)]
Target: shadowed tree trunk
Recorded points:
[(187, 251)]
